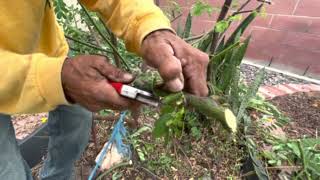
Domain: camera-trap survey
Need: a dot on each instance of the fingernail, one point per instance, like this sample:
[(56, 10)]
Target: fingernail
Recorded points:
[(127, 76), (175, 85)]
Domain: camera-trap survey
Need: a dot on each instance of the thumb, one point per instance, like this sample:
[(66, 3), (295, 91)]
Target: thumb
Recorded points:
[(171, 71)]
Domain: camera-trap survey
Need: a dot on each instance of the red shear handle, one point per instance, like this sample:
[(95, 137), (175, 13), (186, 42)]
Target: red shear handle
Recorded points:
[(117, 86)]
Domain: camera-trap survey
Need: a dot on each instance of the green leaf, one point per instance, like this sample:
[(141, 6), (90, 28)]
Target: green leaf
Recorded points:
[(252, 91), (206, 42), (141, 155), (221, 26), (187, 27), (237, 17), (174, 98), (241, 52), (160, 126), (272, 162), (242, 27), (221, 44), (259, 169), (295, 148), (179, 30), (140, 131), (195, 132), (201, 7)]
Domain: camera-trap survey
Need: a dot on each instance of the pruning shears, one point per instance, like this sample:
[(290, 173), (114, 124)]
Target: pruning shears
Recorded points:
[(135, 93)]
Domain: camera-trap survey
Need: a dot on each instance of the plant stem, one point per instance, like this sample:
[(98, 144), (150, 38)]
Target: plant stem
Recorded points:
[(194, 37), (88, 44), (149, 172), (176, 17), (222, 53), (78, 50), (222, 16), (105, 38), (243, 6), (115, 55)]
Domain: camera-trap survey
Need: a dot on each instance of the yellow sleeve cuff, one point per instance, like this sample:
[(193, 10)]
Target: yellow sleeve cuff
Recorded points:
[(48, 73), (144, 27)]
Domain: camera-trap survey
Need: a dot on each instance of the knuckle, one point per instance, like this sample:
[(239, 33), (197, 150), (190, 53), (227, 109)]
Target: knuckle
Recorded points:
[(170, 70), (101, 60), (117, 73), (204, 58)]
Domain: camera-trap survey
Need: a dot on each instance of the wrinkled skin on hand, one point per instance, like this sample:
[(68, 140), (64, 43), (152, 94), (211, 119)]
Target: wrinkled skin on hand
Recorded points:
[(85, 80), (179, 64)]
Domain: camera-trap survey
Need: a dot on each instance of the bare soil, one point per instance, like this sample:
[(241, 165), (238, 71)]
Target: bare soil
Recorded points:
[(303, 109), (25, 124)]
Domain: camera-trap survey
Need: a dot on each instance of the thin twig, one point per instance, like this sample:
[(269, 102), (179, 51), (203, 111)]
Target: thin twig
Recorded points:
[(175, 18), (105, 26), (284, 167), (78, 50), (105, 38), (114, 41), (88, 44), (225, 50), (243, 12), (204, 36), (194, 37), (243, 5), (93, 34), (113, 168), (149, 172), (179, 147), (265, 1), (258, 9), (115, 55)]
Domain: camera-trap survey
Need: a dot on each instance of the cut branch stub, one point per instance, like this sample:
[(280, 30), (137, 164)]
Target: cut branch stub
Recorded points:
[(209, 107)]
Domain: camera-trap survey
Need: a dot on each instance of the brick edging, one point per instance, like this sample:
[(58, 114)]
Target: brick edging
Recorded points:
[(270, 92)]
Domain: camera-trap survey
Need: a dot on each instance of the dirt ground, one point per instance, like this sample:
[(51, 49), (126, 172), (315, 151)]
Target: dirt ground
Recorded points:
[(25, 124), (303, 109)]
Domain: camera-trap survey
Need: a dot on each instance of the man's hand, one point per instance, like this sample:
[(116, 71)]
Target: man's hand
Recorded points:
[(85, 80), (180, 65)]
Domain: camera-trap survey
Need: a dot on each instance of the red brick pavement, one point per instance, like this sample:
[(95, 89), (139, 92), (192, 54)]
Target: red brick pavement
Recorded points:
[(270, 92)]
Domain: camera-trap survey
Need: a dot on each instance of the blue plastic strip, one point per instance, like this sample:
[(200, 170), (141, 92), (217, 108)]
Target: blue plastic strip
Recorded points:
[(118, 133)]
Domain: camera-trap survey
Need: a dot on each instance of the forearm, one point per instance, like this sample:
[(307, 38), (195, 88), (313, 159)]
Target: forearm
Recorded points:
[(30, 83)]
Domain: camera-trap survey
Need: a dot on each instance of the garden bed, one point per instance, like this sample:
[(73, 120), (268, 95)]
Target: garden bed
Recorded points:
[(210, 156), (303, 109)]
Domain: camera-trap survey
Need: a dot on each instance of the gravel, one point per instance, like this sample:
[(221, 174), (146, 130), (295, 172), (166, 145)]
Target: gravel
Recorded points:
[(248, 73)]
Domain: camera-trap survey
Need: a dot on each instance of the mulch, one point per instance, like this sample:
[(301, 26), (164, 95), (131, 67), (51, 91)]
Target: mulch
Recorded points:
[(25, 124), (303, 109)]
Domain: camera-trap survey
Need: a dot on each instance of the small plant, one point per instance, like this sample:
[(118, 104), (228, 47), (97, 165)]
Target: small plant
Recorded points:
[(301, 157)]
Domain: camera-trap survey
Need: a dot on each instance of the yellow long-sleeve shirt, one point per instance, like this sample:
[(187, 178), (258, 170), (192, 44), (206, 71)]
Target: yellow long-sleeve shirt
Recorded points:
[(33, 47)]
